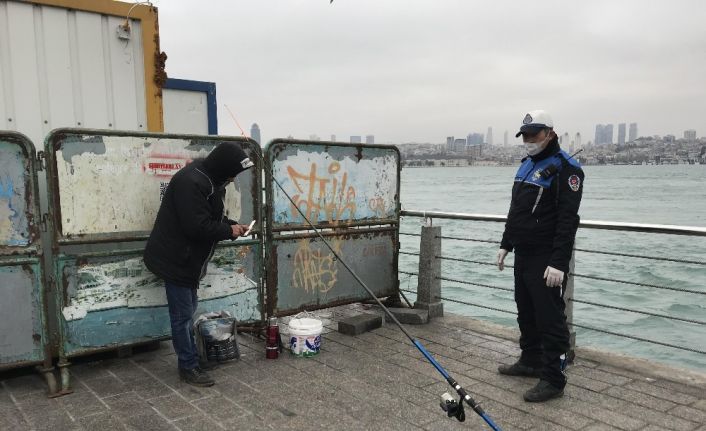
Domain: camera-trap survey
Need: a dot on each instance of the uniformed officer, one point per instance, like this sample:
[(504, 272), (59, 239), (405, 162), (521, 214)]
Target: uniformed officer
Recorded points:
[(541, 227)]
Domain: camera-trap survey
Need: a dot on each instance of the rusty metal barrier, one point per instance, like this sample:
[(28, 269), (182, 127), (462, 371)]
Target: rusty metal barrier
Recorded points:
[(351, 192), (24, 337), (105, 189)]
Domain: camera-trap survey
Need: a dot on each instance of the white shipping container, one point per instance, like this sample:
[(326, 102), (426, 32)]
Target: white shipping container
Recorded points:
[(64, 67)]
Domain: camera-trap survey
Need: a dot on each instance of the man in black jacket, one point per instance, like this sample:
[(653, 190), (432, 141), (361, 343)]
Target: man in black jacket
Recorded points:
[(189, 223), (541, 228)]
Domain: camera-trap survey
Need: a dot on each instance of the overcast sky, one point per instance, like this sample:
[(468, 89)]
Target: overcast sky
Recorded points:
[(413, 70)]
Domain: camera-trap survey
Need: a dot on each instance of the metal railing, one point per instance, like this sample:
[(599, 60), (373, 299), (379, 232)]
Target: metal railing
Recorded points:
[(569, 298)]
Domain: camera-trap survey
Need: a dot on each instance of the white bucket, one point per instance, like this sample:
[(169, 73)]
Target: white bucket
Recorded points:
[(305, 336)]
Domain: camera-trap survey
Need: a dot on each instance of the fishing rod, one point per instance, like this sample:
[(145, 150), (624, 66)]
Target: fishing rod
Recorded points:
[(452, 407)]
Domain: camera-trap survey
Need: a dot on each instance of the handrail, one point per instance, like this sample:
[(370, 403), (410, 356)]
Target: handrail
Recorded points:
[(587, 224)]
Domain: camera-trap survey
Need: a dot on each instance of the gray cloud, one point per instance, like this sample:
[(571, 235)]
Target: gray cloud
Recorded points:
[(422, 70)]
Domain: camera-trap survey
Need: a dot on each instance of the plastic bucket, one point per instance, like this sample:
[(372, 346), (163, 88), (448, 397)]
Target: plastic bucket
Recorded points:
[(305, 336)]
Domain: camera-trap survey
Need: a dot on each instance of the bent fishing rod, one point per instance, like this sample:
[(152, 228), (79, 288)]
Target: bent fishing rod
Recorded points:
[(452, 407)]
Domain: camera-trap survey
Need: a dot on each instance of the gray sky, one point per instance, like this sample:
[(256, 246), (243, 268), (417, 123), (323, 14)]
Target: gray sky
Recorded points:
[(413, 70)]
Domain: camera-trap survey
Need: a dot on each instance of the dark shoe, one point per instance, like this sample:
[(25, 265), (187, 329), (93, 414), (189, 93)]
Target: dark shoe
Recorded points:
[(542, 391), (518, 369), (208, 365), (196, 377)]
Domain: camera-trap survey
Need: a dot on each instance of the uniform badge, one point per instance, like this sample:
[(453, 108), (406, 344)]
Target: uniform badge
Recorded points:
[(574, 183), (536, 175), (527, 120)]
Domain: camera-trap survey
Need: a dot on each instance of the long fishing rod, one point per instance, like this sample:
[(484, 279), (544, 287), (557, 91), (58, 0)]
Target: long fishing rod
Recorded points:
[(448, 404)]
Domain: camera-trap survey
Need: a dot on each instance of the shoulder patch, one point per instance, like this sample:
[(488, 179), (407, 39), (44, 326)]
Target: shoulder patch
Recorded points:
[(574, 183)]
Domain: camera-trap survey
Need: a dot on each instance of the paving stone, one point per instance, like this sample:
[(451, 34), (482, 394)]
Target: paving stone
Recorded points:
[(640, 398), (127, 404), (25, 385), (101, 422), (656, 391), (106, 386), (148, 421), (356, 325), (81, 404), (50, 420), (220, 408), (688, 413), (198, 422), (173, 407), (410, 316), (700, 404)]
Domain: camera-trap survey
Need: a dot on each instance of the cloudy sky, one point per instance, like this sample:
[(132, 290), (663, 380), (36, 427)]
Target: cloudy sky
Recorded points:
[(421, 70)]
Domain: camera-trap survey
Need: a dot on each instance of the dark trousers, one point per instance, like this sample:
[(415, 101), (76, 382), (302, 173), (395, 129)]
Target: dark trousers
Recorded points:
[(182, 306), (544, 334)]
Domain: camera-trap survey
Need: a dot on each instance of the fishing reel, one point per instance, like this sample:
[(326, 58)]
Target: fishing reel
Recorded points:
[(452, 407)]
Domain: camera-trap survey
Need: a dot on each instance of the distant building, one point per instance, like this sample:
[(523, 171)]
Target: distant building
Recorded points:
[(505, 138), (459, 145), (608, 134), (690, 135), (255, 132), (489, 136), (621, 134), (314, 138), (333, 138), (604, 134), (449, 143), (370, 140), (577, 141), (475, 139), (564, 140), (356, 140), (632, 134)]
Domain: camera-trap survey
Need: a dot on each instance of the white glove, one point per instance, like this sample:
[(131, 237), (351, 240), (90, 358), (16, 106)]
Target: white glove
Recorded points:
[(501, 258), (553, 276)]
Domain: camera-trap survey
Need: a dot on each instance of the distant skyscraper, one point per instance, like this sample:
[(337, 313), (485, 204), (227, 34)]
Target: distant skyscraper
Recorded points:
[(333, 138), (505, 138), (564, 141), (355, 140), (314, 138), (475, 139), (621, 134), (450, 143), (599, 134), (632, 134), (608, 134), (489, 136), (577, 141), (690, 135), (459, 145), (369, 139), (255, 132)]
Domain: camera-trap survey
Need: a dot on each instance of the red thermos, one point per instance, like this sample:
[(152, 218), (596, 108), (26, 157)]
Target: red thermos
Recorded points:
[(272, 342)]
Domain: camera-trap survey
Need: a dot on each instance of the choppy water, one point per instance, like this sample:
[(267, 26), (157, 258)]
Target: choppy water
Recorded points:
[(644, 194)]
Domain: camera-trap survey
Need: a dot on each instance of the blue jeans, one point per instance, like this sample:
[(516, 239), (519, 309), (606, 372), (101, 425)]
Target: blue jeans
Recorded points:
[(182, 306)]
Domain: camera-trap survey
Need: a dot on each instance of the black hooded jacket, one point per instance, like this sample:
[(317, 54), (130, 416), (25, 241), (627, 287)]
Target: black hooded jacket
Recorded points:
[(191, 217)]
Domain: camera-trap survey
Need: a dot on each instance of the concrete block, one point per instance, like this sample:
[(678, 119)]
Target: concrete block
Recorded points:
[(356, 325), (410, 315)]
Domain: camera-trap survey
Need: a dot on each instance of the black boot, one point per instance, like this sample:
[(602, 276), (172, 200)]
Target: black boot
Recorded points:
[(208, 365), (196, 377), (542, 391), (518, 369)]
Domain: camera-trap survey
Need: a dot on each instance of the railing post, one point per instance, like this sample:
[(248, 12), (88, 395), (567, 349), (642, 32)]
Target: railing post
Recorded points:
[(568, 300), (428, 282)]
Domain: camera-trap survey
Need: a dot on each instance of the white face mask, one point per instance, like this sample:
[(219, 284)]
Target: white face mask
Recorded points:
[(532, 148)]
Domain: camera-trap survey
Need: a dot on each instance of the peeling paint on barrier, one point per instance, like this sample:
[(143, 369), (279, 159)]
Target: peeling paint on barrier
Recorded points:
[(113, 184), (14, 227)]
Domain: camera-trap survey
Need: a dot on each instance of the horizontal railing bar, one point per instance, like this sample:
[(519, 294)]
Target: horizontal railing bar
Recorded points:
[(589, 328), (587, 224), (647, 313)]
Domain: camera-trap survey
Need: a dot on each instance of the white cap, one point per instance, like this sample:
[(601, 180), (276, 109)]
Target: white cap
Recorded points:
[(535, 121)]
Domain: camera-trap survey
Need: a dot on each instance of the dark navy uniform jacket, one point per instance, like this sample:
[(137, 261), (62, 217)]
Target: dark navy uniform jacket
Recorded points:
[(543, 216)]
